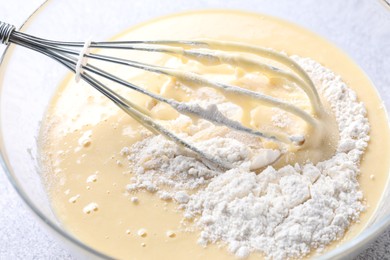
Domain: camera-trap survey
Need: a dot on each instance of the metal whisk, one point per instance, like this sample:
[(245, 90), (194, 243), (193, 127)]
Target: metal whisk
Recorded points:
[(75, 55)]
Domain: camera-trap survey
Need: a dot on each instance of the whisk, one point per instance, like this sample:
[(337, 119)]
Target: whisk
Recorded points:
[(75, 56)]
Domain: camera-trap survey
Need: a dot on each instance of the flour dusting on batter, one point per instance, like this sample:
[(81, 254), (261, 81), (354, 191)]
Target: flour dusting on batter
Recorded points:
[(282, 213)]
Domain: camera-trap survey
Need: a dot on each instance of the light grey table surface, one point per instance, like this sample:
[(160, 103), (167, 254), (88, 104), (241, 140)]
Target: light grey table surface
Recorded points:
[(22, 237)]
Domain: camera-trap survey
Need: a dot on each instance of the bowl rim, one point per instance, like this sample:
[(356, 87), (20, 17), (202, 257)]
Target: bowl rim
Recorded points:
[(361, 241), (386, 3), (9, 171)]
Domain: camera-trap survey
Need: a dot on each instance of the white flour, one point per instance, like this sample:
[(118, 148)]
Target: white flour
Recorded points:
[(282, 213)]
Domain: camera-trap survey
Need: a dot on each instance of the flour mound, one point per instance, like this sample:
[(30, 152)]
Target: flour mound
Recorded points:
[(283, 213), (160, 162)]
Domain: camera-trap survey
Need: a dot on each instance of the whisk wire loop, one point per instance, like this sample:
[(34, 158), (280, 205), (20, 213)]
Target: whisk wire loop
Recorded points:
[(75, 56)]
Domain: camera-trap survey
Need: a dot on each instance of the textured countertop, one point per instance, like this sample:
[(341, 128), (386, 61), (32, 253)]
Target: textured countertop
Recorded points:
[(22, 237)]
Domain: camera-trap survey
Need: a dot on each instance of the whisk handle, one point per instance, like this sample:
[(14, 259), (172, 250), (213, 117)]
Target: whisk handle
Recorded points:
[(5, 32)]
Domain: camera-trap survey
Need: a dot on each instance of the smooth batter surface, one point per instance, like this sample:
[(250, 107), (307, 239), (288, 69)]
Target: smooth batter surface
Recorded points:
[(84, 133)]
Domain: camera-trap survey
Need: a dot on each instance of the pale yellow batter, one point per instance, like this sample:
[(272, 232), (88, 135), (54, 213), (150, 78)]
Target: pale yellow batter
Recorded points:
[(83, 134)]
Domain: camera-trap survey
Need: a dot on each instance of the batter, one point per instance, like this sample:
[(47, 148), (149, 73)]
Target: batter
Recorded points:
[(83, 134)]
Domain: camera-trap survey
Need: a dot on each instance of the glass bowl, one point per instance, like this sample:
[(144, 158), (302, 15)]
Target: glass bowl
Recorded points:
[(362, 30)]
